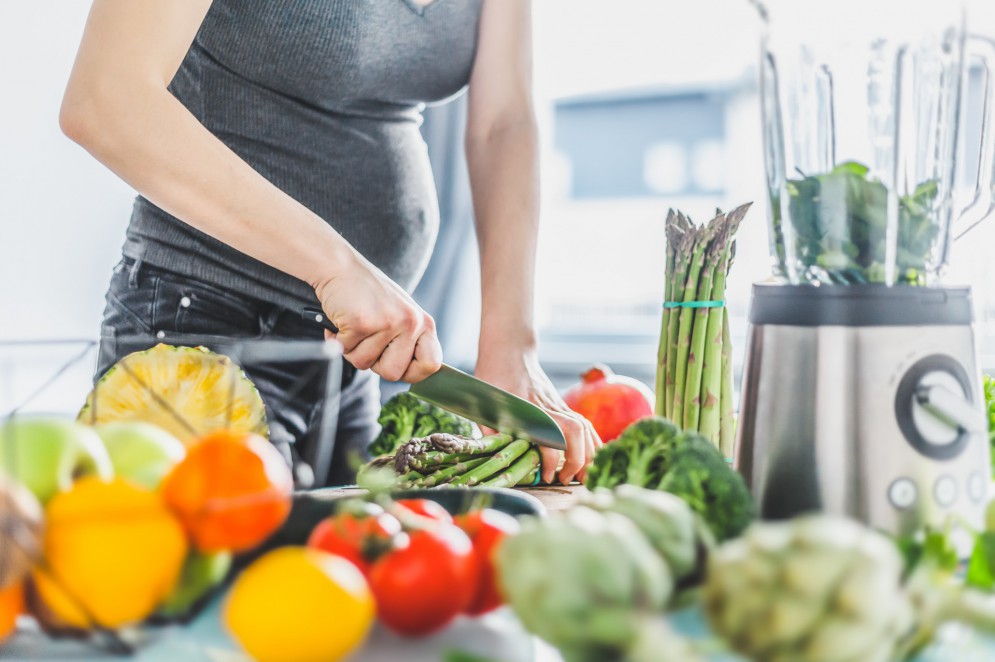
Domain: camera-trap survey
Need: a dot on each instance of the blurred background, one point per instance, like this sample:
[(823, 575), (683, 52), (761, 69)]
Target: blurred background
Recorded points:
[(644, 105)]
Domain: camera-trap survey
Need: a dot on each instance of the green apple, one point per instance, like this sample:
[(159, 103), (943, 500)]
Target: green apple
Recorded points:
[(201, 573), (46, 454), (141, 452)]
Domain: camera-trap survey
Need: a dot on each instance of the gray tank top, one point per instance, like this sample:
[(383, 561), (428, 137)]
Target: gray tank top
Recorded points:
[(324, 99)]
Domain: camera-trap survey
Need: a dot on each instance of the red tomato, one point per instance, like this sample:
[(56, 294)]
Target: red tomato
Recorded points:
[(356, 536), (427, 508), (422, 586), (486, 528)]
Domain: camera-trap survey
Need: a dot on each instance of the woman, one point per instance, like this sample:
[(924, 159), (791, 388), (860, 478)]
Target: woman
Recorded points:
[(276, 151)]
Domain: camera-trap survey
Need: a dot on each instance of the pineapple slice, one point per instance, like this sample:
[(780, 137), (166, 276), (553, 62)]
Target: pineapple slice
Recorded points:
[(189, 391)]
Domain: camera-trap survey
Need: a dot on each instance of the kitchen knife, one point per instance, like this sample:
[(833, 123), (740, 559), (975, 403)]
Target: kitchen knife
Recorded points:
[(463, 394)]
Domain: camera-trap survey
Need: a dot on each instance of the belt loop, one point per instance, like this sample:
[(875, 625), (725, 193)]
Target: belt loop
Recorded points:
[(135, 273)]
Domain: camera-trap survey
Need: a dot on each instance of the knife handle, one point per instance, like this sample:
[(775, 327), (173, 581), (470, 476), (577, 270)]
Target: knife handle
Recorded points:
[(318, 316)]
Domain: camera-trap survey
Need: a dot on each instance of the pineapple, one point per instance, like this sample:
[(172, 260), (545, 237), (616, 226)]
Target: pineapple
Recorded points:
[(189, 391)]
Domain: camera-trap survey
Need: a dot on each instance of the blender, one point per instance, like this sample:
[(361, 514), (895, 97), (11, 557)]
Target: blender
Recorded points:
[(861, 391)]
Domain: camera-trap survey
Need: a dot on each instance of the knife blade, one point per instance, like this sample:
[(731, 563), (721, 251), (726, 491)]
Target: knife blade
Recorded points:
[(475, 399)]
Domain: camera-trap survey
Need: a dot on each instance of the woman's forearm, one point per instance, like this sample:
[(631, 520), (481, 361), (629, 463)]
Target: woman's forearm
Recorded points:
[(503, 166), (143, 134)]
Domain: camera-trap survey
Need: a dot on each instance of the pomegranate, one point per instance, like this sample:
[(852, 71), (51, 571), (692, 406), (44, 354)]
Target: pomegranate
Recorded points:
[(609, 401)]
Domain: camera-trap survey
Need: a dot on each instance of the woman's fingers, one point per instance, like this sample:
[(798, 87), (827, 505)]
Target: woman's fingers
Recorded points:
[(551, 459), (582, 441), (380, 325), (367, 351), (427, 357), (575, 457)]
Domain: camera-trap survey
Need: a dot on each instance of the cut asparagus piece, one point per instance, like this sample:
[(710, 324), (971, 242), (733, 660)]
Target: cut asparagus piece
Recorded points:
[(448, 444), (522, 468), (429, 461), (444, 475), (499, 462)]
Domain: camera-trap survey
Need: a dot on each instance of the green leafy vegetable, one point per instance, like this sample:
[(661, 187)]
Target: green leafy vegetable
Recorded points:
[(839, 223), (700, 476), (406, 417), (989, 384)]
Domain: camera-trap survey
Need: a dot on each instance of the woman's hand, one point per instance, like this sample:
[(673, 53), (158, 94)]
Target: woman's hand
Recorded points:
[(518, 372), (380, 326)]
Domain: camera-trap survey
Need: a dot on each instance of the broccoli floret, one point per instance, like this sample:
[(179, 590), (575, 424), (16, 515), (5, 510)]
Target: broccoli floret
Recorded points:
[(654, 453), (639, 456), (406, 417), (699, 475)]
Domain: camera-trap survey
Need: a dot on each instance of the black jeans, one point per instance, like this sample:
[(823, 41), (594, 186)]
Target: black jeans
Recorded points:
[(147, 305)]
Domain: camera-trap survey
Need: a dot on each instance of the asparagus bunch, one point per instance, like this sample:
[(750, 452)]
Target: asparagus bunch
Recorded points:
[(444, 459), (694, 367)]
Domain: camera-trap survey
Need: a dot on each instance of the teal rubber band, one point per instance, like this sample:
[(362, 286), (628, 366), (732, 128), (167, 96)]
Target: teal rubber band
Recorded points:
[(538, 477), (693, 304)]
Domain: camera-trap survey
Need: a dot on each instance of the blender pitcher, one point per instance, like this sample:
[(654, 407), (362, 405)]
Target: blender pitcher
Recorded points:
[(861, 105)]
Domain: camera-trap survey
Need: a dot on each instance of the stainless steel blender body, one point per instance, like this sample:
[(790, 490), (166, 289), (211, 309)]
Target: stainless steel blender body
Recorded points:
[(865, 402)]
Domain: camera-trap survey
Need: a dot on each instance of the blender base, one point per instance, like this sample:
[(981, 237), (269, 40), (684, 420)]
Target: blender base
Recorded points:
[(864, 401)]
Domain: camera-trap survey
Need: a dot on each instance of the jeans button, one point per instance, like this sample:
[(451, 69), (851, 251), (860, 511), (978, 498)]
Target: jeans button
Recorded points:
[(160, 334), (185, 302)]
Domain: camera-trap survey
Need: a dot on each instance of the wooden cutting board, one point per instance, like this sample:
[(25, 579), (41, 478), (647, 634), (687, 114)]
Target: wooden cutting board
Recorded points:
[(556, 497)]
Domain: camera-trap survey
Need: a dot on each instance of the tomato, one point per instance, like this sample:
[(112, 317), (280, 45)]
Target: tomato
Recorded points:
[(356, 535), (427, 508), (486, 528), (423, 585)]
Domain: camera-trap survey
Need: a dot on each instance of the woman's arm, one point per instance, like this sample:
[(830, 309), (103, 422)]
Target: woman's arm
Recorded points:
[(118, 107), (502, 155)]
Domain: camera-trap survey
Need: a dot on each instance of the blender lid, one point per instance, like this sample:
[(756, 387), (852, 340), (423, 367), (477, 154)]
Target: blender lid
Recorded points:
[(860, 305)]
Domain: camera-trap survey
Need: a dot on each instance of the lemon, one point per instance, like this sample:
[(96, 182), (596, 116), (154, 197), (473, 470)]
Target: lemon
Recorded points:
[(112, 552), (296, 604)]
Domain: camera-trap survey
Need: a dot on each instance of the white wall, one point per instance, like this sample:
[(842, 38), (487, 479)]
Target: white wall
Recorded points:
[(62, 214)]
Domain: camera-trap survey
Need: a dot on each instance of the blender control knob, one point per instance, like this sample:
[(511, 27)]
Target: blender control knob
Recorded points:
[(934, 408)]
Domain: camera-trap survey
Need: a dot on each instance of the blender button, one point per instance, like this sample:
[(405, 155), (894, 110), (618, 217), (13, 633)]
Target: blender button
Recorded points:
[(902, 493), (945, 490), (977, 487)]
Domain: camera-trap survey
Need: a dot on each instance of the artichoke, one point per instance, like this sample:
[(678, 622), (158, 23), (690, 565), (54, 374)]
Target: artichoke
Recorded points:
[(676, 532), (817, 588), (587, 582)]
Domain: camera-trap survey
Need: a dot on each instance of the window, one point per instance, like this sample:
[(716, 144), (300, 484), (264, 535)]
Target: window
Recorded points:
[(642, 110)]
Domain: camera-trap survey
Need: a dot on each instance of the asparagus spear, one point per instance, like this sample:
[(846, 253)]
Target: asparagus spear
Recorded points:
[(431, 460), (686, 318), (711, 272), (522, 468), (446, 474), (684, 248), (711, 376), (446, 444), (727, 424), (498, 462), (668, 289)]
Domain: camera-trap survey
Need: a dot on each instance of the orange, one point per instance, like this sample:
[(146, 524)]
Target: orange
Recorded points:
[(11, 606), (231, 491), (296, 604), (112, 552)]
